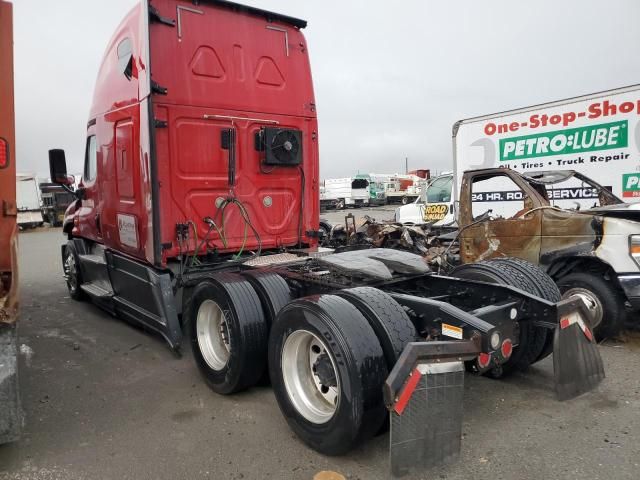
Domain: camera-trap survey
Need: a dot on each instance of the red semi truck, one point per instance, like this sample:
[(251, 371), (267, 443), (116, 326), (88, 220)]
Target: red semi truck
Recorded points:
[(10, 411), (198, 215)]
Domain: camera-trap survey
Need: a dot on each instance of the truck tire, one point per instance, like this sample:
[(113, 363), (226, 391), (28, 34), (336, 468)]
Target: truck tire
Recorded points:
[(272, 290), (404, 200), (532, 339), (327, 370), (603, 296), (325, 228), (340, 204), (544, 287), (72, 272), (387, 318), (228, 332)]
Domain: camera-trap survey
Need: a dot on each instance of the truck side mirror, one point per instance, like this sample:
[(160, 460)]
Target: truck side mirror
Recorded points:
[(58, 168)]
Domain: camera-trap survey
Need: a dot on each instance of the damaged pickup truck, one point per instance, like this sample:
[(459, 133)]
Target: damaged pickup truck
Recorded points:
[(590, 253)]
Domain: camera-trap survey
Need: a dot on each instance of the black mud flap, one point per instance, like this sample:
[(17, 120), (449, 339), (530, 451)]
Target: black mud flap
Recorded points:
[(577, 364), (424, 393)]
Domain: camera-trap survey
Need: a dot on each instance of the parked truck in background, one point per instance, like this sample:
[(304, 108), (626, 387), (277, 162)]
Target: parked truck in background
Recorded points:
[(597, 135), (375, 187), (28, 201), (203, 222), (335, 192), (10, 409), (594, 252), (55, 201), (403, 189), (594, 137), (344, 192)]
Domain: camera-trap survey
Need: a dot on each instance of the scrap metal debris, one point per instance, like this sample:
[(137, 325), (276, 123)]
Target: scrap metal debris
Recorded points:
[(437, 245)]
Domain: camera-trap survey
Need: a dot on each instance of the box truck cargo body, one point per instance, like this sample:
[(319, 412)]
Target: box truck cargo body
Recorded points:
[(597, 135), (28, 201)]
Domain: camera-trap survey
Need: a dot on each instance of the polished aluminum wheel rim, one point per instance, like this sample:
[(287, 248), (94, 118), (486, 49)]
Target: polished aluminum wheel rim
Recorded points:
[(301, 354), (593, 304), (71, 273), (213, 335)]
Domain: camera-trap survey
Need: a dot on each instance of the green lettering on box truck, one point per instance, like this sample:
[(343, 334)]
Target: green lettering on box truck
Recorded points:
[(604, 136)]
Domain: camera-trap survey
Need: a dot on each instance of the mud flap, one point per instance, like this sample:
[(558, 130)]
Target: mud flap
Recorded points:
[(424, 393), (577, 364), (426, 423)]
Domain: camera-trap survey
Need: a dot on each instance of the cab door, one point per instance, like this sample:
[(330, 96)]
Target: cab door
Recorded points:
[(89, 214), (499, 218)]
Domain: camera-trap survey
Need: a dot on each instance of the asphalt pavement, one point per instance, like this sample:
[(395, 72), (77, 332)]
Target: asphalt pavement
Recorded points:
[(106, 400)]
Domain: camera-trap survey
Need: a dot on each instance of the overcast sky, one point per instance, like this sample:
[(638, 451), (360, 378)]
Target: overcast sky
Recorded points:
[(390, 77)]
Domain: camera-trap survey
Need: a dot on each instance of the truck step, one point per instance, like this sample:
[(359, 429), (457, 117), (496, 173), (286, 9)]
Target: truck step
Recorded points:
[(96, 290), (272, 259)]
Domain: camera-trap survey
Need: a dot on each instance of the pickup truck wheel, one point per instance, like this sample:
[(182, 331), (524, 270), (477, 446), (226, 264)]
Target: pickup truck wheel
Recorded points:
[(404, 200), (601, 297), (532, 339), (72, 273), (543, 285), (327, 370), (228, 333)]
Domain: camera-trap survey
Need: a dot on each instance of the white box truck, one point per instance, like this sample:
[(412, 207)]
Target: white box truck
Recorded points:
[(597, 135), (28, 201)]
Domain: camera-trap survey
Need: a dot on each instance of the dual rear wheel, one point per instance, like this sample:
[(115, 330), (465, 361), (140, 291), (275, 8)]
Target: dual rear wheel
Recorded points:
[(327, 355)]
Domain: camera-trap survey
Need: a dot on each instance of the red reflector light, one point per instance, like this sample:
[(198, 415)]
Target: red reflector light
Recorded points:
[(565, 322), (507, 348), (484, 359), (4, 153)]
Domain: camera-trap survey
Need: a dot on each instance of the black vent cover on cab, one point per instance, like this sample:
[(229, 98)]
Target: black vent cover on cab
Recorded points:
[(282, 146)]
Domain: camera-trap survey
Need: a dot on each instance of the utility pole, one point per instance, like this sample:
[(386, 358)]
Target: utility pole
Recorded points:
[(406, 164)]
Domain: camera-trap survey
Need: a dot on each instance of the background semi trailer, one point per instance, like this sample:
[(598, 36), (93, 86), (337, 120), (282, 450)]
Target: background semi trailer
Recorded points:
[(10, 409), (28, 201), (203, 223)]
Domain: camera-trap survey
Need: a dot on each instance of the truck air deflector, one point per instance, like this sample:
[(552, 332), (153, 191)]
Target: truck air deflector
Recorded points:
[(270, 16)]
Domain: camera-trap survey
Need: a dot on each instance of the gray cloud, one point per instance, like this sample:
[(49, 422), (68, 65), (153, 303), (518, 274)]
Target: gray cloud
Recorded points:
[(390, 77)]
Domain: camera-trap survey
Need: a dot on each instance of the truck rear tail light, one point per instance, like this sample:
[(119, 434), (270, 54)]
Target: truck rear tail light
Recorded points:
[(4, 153), (507, 348), (484, 359)]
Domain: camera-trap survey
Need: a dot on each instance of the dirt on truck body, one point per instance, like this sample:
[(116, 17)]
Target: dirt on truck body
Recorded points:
[(198, 217)]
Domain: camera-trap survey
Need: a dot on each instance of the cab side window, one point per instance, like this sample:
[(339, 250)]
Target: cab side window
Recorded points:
[(499, 195), (91, 159), (440, 190)]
